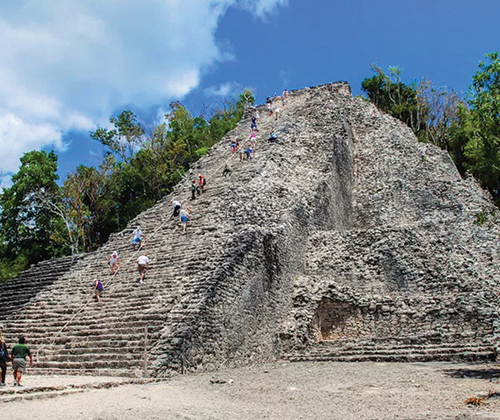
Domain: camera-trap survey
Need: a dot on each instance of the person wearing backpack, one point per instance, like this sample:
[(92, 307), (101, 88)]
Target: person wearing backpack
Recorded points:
[(4, 358), (98, 288), (202, 182)]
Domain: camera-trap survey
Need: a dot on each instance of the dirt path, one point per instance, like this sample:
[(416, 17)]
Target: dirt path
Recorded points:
[(284, 391)]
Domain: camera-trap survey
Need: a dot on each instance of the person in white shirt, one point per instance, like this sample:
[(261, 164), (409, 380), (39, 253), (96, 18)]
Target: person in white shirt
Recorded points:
[(142, 266), (114, 262), (177, 207), (137, 238)]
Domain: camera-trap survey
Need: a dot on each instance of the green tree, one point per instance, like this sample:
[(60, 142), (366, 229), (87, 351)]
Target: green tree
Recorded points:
[(124, 139), (476, 135), (29, 227), (396, 98)]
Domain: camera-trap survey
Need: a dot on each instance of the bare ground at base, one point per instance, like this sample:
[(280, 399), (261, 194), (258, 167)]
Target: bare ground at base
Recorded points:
[(281, 390)]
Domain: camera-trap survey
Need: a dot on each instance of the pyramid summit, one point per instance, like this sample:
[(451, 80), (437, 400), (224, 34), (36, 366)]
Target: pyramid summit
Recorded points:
[(344, 240)]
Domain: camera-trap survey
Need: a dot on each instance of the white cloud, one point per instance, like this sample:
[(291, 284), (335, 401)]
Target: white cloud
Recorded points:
[(68, 64), (18, 136), (224, 90), (263, 8)]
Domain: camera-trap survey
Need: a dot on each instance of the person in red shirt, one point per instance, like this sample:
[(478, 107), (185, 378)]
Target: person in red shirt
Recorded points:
[(202, 182)]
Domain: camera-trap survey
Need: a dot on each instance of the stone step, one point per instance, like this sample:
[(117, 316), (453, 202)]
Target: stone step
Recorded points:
[(108, 319), (443, 351), (487, 355), (84, 337), (67, 345), (389, 349), (99, 324), (110, 303), (91, 356), (118, 372), (423, 339), (135, 348)]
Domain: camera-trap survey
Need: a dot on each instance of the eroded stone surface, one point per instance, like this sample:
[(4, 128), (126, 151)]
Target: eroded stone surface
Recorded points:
[(347, 232)]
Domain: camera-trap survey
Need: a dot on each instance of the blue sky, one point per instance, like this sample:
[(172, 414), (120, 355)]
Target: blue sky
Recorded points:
[(67, 65)]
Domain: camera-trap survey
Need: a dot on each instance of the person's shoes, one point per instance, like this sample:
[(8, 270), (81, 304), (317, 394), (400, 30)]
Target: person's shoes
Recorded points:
[(14, 384), (2, 383), (141, 281), (20, 385)]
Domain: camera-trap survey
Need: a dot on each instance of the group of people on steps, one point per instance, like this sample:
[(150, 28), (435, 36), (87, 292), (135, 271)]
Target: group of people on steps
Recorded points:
[(198, 187), (248, 153), (138, 239), (16, 356)]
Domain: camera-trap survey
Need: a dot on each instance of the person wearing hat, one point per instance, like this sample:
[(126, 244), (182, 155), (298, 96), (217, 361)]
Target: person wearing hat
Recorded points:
[(114, 262)]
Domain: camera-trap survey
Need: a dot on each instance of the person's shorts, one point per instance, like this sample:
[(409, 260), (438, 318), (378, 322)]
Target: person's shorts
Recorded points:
[(184, 219), (136, 241), (19, 364), (141, 268)]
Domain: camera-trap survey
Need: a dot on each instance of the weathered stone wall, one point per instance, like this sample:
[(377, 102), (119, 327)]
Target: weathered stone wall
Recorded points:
[(294, 188), (413, 264), (346, 229)]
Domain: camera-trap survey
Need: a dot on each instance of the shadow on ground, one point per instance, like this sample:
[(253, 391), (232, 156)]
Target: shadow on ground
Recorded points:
[(490, 373)]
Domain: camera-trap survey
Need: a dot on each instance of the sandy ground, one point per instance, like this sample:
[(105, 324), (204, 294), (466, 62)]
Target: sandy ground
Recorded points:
[(281, 391)]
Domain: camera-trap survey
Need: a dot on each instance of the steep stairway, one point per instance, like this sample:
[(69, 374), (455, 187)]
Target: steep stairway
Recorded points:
[(346, 240), (52, 304)]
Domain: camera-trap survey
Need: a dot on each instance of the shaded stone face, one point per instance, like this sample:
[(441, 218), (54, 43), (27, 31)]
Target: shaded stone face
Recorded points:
[(336, 319), (344, 240)]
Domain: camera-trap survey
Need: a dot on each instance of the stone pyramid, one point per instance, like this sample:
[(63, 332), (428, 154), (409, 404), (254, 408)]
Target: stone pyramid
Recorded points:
[(345, 240)]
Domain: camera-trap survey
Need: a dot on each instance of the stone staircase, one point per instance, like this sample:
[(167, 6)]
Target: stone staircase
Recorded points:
[(53, 306), (298, 230), (396, 349)]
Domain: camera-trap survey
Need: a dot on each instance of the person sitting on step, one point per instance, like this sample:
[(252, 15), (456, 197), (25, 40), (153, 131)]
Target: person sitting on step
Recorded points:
[(235, 144), (273, 138)]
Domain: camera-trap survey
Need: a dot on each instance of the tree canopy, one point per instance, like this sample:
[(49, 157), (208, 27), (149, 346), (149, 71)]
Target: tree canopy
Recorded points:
[(41, 220)]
